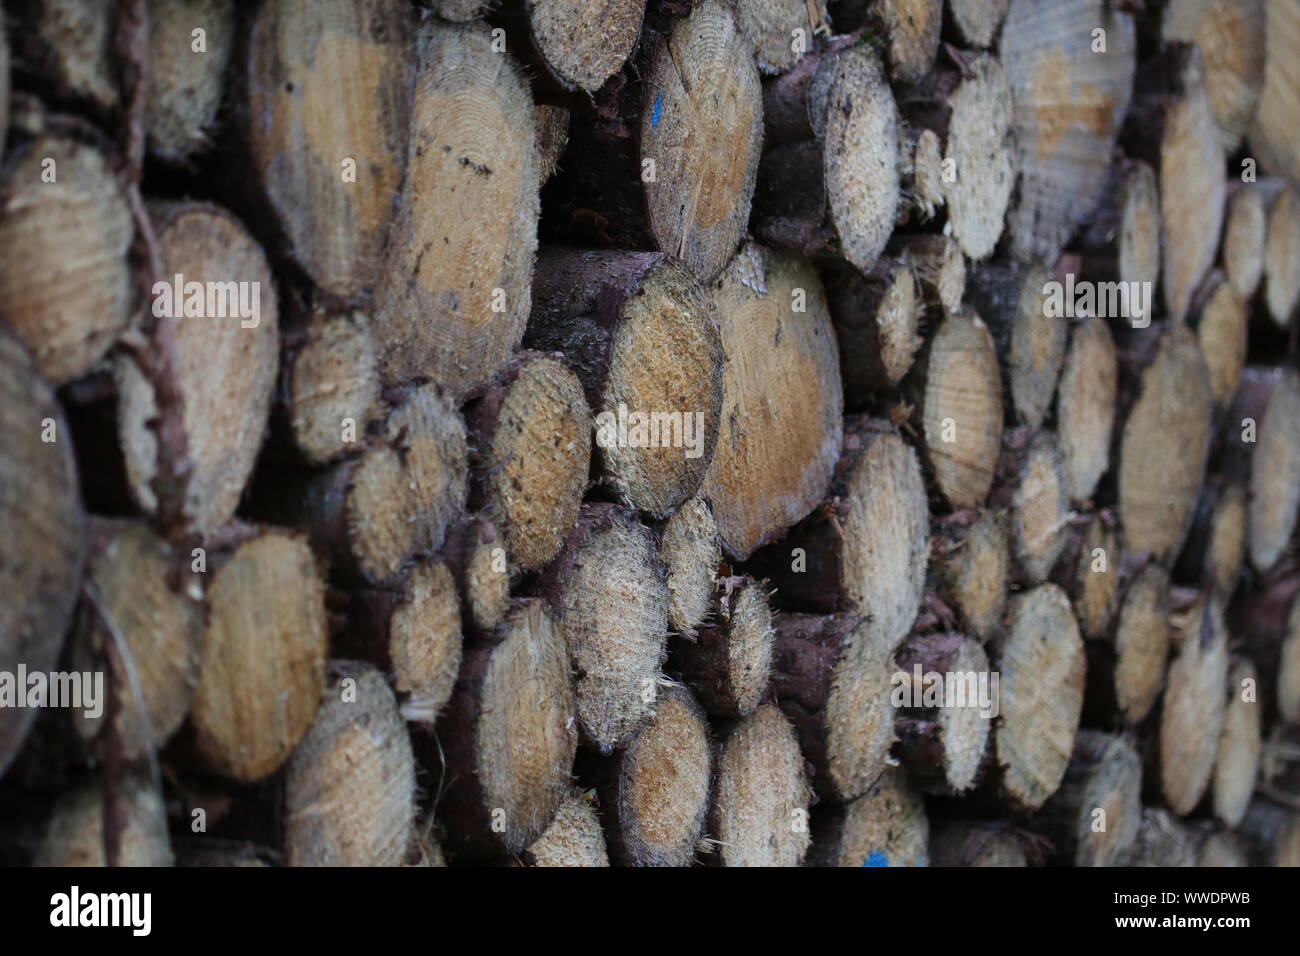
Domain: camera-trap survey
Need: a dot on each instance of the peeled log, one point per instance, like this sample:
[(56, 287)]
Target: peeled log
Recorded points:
[(829, 183), (1085, 407), (961, 409), (728, 663), (531, 438), (67, 285), (349, 790), (1105, 774), (1069, 104), (1192, 715), (508, 736), (155, 604), (1041, 662), (761, 794), (886, 826), (782, 413), (656, 792), (184, 86), (264, 654), (832, 679), (640, 332), (456, 288), (609, 592), (1232, 38), (227, 365), (304, 123), (1170, 424), (42, 549)]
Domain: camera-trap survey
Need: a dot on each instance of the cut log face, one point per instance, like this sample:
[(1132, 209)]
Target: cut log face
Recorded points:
[(975, 844), (1192, 202), (659, 791), (1041, 508), (583, 44), (509, 736), (1142, 643), (74, 835), (1042, 669), (611, 595), (532, 454), (761, 794), (401, 495), (832, 679), (691, 554), (349, 790), (1095, 816), (1192, 716), (877, 320), (886, 826), (1085, 407), (830, 179), (978, 20), (458, 11), (911, 30), (69, 44), (1139, 243), (782, 419), (1231, 36), (184, 85), (923, 178), (478, 561), (552, 137), (962, 409), (1222, 331), (1164, 447), (773, 27), (973, 559), (1282, 257), (943, 744), (1274, 134), (1237, 761), (264, 656), (228, 357), (729, 662), (162, 628), (1244, 236), (1275, 473), (1222, 848), (1069, 103), (574, 838), (42, 549), (456, 291), (305, 123), (67, 283), (702, 128), (983, 156), (333, 384), (641, 335), (1218, 538), (1095, 575)]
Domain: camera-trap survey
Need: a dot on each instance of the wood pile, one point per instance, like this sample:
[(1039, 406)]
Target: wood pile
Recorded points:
[(652, 433)]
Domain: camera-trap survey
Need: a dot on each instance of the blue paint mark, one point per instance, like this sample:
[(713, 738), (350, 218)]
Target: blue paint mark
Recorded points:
[(877, 859), (657, 113)]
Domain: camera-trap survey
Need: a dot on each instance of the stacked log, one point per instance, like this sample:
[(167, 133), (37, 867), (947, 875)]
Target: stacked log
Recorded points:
[(726, 432)]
